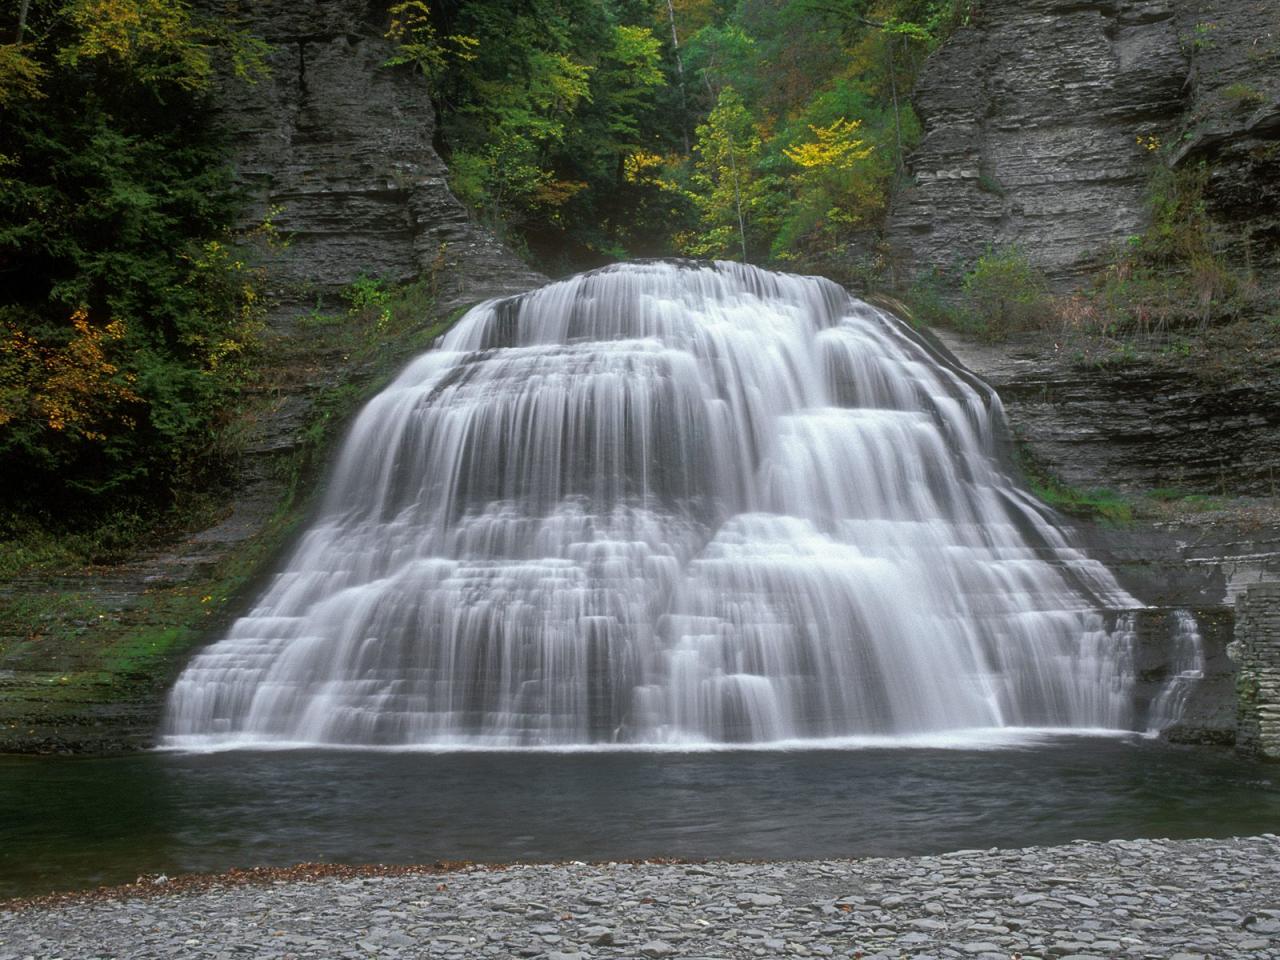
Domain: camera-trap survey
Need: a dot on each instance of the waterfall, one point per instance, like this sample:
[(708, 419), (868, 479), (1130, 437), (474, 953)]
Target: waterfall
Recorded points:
[(670, 503), (1186, 670)]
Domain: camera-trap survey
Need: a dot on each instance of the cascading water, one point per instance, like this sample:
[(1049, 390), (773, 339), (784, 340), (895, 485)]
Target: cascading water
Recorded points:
[(670, 503), (1186, 671)]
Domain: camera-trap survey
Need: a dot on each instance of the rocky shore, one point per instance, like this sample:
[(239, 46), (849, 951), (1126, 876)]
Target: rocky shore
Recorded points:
[(1132, 899)]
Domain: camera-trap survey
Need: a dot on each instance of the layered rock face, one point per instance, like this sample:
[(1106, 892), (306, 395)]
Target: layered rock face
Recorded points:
[(1033, 116), (1257, 651), (1134, 427), (1233, 121), (338, 149)]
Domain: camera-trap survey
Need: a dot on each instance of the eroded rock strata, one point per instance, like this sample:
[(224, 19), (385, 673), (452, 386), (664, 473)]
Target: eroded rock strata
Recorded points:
[(1038, 119), (336, 147)]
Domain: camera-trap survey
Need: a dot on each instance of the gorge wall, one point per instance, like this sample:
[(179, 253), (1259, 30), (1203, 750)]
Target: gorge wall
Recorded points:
[(1038, 121), (337, 148), (1141, 423), (1032, 120)]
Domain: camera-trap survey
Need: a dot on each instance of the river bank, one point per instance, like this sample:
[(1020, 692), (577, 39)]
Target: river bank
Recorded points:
[(1139, 898)]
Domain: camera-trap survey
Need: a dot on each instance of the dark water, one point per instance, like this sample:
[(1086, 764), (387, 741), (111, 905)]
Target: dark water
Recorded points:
[(75, 823)]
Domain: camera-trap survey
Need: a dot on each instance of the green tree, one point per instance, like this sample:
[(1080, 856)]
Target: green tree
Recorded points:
[(124, 313), (727, 187)]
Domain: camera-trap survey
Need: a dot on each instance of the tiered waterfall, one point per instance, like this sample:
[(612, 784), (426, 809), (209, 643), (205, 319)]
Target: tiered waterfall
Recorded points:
[(670, 503)]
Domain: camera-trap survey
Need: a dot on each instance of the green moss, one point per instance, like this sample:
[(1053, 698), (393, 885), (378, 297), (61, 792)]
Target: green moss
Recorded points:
[(989, 184), (1106, 506), (1247, 688), (1096, 504), (1196, 501), (80, 644), (1244, 95)]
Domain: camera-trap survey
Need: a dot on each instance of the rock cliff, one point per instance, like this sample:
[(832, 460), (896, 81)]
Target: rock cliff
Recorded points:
[(338, 147), (1136, 425), (1032, 120)]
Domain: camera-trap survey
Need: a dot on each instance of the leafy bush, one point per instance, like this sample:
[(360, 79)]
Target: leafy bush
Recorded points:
[(1176, 274), (1005, 292)]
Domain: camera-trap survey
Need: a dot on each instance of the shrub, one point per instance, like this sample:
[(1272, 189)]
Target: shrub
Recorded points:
[(1005, 292), (1175, 274)]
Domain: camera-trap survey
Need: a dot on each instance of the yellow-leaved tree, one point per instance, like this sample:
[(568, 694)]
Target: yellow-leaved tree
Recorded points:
[(75, 389), (836, 185), (730, 193)]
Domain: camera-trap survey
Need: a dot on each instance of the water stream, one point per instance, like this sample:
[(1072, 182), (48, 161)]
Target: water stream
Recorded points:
[(668, 503), (68, 823)]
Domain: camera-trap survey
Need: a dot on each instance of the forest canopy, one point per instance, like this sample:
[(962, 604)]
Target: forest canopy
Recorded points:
[(126, 313), (590, 130)]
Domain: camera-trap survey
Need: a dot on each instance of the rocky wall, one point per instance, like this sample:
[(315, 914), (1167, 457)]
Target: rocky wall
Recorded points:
[(337, 147), (1256, 651), (1032, 118), (1133, 427)]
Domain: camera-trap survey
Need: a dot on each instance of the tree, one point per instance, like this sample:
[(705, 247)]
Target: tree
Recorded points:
[(727, 148), (122, 309), (420, 45)]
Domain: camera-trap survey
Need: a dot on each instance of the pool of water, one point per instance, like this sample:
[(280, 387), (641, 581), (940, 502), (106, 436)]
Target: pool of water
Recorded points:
[(68, 824)]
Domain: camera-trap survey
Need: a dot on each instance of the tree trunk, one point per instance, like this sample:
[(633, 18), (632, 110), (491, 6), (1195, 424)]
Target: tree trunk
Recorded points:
[(684, 101), (897, 118), (737, 200), (22, 21)]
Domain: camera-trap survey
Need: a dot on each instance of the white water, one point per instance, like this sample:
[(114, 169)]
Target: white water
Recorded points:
[(1186, 671), (666, 504)]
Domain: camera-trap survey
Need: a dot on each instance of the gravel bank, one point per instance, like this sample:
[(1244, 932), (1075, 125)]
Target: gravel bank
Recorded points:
[(1143, 898)]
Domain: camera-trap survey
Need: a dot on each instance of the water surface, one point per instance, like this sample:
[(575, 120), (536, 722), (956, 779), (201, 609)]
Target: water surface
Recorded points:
[(74, 823)]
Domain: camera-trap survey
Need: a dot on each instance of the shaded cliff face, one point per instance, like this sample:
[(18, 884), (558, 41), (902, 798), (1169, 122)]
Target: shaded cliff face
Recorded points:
[(341, 147), (1032, 118), (1152, 424), (1233, 120), (1136, 427)]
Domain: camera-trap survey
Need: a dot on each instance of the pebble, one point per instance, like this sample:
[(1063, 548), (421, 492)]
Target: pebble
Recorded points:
[(1123, 900)]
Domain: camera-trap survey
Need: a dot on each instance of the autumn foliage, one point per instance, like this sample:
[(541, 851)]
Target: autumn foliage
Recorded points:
[(584, 131), (125, 313)]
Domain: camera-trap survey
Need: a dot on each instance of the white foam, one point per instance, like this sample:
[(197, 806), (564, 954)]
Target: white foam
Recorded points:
[(675, 507)]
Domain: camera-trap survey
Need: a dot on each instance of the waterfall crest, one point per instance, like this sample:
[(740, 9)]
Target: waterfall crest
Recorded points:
[(670, 503)]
